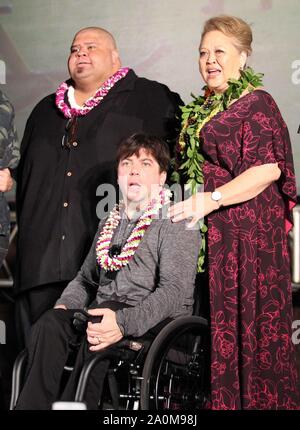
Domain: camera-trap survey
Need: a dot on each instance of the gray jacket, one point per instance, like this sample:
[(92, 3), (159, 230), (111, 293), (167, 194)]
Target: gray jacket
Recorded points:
[(158, 281)]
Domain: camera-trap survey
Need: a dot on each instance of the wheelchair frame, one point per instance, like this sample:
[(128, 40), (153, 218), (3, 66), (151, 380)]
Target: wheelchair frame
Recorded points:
[(174, 374)]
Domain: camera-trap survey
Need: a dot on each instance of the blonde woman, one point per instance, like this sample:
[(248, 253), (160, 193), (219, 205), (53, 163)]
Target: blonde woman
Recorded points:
[(235, 141)]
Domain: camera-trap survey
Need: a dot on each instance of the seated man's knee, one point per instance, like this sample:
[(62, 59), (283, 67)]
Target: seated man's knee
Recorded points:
[(52, 320)]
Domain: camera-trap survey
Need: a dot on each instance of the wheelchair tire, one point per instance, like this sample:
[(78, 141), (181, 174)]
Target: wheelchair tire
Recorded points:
[(176, 370)]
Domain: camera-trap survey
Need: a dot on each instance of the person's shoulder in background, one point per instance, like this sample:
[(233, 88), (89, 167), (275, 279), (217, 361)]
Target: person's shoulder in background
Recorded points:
[(158, 88), (6, 111), (9, 143)]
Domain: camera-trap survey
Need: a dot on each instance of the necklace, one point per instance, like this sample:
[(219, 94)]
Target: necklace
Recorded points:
[(114, 259), (92, 101), (195, 115)]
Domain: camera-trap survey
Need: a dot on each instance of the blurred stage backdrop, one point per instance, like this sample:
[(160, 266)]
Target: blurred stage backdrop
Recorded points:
[(158, 38)]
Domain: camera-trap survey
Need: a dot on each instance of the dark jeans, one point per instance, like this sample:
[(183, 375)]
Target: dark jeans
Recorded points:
[(31, 304), (48, 351), (4, 242)]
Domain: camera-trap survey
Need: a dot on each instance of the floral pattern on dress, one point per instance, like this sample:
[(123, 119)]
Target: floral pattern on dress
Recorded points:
[(252, 355)]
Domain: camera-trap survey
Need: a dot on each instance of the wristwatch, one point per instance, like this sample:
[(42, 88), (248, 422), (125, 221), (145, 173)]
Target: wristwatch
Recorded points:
[(216, 197)]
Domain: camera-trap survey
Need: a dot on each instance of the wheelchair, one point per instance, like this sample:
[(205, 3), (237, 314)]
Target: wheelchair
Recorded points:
[(170, 372)]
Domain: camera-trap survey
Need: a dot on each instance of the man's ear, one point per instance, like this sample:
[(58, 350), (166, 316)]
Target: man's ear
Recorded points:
[(115, 56), (163, 178)]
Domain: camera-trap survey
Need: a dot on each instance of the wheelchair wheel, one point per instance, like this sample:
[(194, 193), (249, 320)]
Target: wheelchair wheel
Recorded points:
[(176, 370)]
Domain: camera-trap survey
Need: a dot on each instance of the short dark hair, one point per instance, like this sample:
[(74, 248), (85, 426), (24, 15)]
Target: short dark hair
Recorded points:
[(152, 144)]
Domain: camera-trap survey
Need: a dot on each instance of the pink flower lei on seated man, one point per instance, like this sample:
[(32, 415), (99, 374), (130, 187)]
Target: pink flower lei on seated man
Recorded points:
[(114, 263), (70, 112)]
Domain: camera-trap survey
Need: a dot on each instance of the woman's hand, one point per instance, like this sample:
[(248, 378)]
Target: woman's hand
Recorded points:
[(6, 181), (195, 207)]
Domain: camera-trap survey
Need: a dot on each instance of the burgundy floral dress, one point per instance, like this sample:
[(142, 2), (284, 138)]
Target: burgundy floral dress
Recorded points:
[(252, 355)]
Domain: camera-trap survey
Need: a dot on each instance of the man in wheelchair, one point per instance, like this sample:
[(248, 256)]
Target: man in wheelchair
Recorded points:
[(139, 272)]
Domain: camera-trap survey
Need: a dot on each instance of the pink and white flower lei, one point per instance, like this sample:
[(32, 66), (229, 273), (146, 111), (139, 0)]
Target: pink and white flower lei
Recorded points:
[(104, 242), (91, 102)]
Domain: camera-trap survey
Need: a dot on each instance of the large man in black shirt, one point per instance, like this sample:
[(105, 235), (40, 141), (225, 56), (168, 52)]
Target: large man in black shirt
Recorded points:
[(67, 151)]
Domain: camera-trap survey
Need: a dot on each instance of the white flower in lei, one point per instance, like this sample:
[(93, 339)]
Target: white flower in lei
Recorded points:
[(103, 244)]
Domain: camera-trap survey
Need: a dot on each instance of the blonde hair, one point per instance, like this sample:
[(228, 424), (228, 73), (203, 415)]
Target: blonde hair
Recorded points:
[(231, 26)]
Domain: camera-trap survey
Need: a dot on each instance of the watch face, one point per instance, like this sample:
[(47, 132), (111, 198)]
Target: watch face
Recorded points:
[(216, 196)]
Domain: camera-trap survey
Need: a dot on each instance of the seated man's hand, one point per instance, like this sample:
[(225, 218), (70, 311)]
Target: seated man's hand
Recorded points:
[(6, 181), (101, 335), (60, 307)]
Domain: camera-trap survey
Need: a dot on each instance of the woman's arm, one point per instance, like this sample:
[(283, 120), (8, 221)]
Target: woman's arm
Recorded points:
[(244, 187)]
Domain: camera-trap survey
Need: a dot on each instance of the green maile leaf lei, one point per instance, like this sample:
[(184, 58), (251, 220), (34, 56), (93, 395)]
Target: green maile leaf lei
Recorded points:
[(195, 115)]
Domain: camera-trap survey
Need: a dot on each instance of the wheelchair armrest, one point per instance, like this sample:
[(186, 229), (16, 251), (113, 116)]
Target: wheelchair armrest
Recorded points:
[(130, 344)]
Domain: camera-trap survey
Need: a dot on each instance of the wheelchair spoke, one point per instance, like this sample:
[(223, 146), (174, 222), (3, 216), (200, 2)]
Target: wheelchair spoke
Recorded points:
[(176, 377)]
